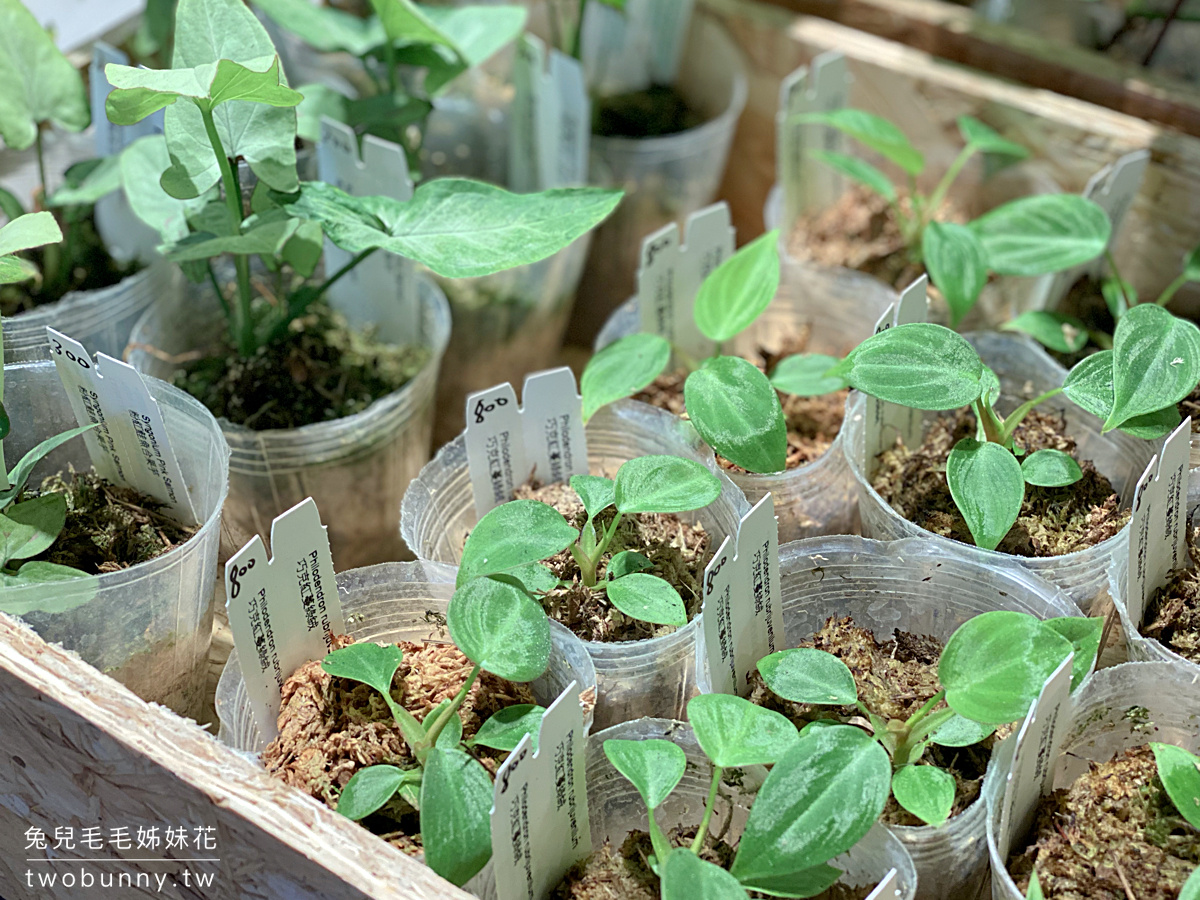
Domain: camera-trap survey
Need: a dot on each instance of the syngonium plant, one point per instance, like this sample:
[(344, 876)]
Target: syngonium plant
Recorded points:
[(226, 99)]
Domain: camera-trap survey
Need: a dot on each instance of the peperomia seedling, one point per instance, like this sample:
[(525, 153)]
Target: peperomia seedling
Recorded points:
[(991, 670), (826, 788), (1033, 235), (511, 540)]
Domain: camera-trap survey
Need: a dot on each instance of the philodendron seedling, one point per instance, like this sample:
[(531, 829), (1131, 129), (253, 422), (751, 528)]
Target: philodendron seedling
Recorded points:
[(1179, 771), (511, 540), (826, 788), (991, 670), (1133, 388), (1033, 235)]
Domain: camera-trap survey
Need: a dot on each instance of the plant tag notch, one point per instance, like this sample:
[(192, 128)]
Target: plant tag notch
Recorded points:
[(887, 421), (1031, 774), (283, 608), (743, 610), (1158, 528), (382, 289), (129, 444), (671, 273), (821, 86), (550, 123), (630, 49), (888, 887), (507, 443), (540, 825)]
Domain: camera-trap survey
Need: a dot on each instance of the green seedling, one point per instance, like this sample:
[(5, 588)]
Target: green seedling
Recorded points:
[(1179, 772), (826, 788), (1029, 236), (991, 670), (226, 99), (510, 542)]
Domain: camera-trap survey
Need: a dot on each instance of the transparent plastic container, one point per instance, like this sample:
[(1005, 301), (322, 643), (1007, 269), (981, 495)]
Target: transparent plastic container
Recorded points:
[(391, 602), (1025, 371), (635, 678), (924, 588), (1122, 707), (148, 626), (664, 178), (101, 320), (615, 809), (356, 468), (838, 311)]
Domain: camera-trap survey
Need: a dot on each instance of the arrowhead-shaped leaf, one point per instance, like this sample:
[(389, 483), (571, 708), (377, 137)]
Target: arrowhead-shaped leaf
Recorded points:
[(653, 766), (40, 83), (504, 730), (988, 488), (874, 132)]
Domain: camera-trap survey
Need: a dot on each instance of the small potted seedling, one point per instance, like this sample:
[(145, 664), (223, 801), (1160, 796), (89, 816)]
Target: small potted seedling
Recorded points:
[(312, 406)]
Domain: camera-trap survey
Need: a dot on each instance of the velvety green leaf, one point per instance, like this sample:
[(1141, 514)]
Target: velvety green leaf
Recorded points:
[(1180, 774), (368, 789), (29, 231), (804, 375), (88, 181), (81, 591), (1066, 334), (31, 526), (995, 664), (664, 484), (40, 83), (858, 169), (739, 289), (919, 365), (1118, 295), (1043, 233), (652, 766), (1084, 635), (13, 270), (733, 731), (685, 876), (1090, 386), (818, 801), (960, 732), (142, 165), (267, 238), (1035, 889), (237, 82), (925, 791), (647, 598), (1156, 362), (366, 662), (20, 473), (504, 730), (806, 675), (874, 132), (499, 627), (533, 578), (302, 251), (627, 562), (805, 883), (477, 32), (957, 265), (596, 492), (325, 28), (514, 534), (406, 23), (988, 487), (1050, 468), (451, 733), (987, 140), (737, 412), (456, 803), (622, 369), (1189, 891)]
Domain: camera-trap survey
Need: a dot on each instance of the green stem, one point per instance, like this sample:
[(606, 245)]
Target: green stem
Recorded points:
[(1017, 415), (41, 164), (390, 61), (1100, 339), (1165, 297), (577, 41), (609, 534), (952, 173), (431, 734), (930, 704), (1112, 265), (587, 565), (657, 840), (410, 728), (698, 843), (216, 286), (993, 428), (336, 276)]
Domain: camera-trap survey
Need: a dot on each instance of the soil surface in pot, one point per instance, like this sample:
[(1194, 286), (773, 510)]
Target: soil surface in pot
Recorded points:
[(895, 678), (1052, 522), (329, 727), (656, 111), (1112, 835), (320, 370), (1173, 614), (677, 549)]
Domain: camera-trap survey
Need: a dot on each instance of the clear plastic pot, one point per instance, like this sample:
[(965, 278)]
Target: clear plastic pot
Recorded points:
[(838, 310), (1122, 707), (1024, 371), (664, 178), (356, 467), (921, 587), (392, 602), (635, 678), (148, 626)]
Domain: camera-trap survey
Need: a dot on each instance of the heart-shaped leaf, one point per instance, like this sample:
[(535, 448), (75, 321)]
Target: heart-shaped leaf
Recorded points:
[(925, 791), (622, 369), (987, 140), (1180, 774), (858, 169), (499, 627), (806, 675), (874, 132), (988, 487), (1042, 234), (367, 662), (957, 265), (1156, 362), (647, 598), (504, 730), (960, 732), (597, 493), (739, 289), (514, 534), (325, 28), (805, 375), (1066, 334), (685, 876), (737, 412), (664, 484), (653, 766), (1050, 468), (733, 731), (1090, 386), (30, 527), (456, 803), (370, 788), (919, 365), (1084, 635)]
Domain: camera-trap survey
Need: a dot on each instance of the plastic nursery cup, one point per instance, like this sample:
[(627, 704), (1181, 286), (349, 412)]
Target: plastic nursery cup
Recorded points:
[(356, 468), (634, 678), (920, 587), (664, 178), (148, 626), (838, 310), (1025, 371), (1122, 707)]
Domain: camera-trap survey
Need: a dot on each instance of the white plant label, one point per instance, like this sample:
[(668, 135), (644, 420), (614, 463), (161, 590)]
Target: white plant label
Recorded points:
[(550, 123), (631, 49), (887, 421), (283, 609), (129, 444), (1158, 529), (1032, 772), (671, 273), (743, 611), (507, 444), (822, 86), (382, 289), (540, 813), (887, 887)]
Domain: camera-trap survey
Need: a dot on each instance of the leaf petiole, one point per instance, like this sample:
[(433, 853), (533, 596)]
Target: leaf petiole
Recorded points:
[(698, 843), (1018, 415), (431, 735)]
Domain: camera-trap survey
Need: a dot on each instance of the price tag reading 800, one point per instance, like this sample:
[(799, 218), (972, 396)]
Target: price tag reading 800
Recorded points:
[(482, 408)]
